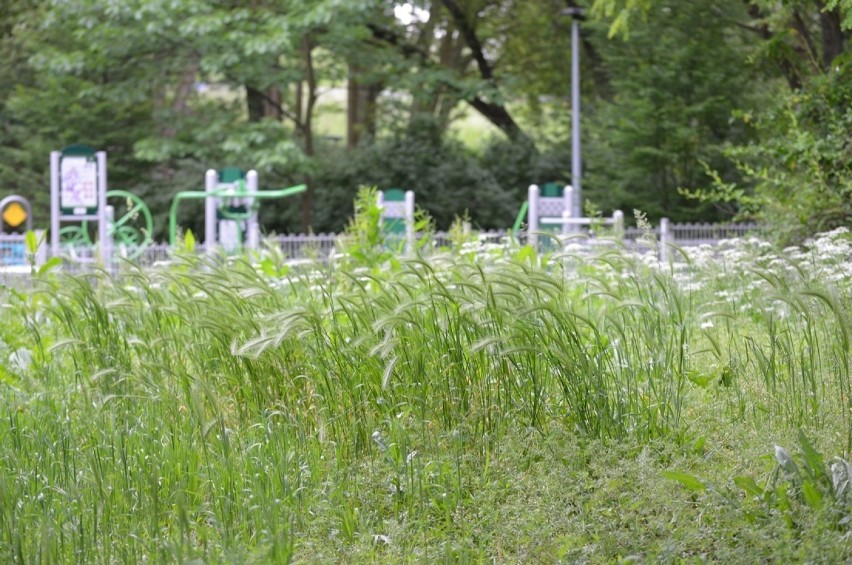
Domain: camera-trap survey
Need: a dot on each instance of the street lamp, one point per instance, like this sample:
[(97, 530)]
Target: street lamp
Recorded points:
[(577, 15)]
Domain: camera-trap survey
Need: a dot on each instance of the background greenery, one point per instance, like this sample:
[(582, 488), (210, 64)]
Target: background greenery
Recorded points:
[(692, 110), (471, 404)]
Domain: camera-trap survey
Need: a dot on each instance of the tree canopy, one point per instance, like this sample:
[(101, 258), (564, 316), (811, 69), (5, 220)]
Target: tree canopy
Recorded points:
[(692, 110)]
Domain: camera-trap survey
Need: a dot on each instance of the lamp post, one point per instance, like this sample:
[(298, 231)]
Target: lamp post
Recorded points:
[(577, 15)]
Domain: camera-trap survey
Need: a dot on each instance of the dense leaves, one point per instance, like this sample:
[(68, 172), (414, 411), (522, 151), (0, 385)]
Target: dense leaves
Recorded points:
[(678, 99)]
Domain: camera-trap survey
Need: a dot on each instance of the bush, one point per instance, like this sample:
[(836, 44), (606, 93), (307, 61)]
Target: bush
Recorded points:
[(444, 175)]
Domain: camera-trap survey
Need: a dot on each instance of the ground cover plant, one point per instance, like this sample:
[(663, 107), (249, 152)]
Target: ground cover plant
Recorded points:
[(479, 403)]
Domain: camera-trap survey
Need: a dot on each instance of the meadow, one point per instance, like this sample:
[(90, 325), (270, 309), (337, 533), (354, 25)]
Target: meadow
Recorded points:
[(475, 403)]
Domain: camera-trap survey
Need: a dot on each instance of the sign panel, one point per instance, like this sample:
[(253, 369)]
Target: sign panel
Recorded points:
[(78, 183), (14, 214)]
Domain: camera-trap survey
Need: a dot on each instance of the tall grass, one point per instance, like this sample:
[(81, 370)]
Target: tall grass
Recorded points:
[(213, 409)]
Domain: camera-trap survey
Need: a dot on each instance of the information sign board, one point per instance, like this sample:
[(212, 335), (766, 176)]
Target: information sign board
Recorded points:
[(78, 183)]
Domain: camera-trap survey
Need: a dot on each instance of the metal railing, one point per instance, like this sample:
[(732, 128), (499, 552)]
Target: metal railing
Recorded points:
[(14, 255)]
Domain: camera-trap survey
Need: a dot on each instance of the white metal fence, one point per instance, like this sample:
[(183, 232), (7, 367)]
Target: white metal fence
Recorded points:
[(14, 251), (14, 256)]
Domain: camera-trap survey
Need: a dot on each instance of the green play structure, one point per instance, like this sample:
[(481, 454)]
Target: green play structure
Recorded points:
[(79, 195), (553, 208), (232, 200)]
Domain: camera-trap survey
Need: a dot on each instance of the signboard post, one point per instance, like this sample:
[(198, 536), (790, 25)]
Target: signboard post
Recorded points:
[(78, 186)]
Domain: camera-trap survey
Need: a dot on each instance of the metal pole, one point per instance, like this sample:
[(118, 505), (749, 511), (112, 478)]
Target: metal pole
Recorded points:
[(103, 245), (665, 234), (409, 222), (532, 215), (106, 244), (211, 183), (54, 202), (252, 224), (576, 162), (568, 208)]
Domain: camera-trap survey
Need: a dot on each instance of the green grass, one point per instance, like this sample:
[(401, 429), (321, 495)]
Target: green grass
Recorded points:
[(479, 404)]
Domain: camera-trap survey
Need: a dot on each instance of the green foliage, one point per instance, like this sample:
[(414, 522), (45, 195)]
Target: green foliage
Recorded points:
[(846, 7), (800, 170), (621, 12), (802, 483), (485, 405), (441, 172), (671, 110), (172, 88), (364, 241), (690, 482), (460, 234)]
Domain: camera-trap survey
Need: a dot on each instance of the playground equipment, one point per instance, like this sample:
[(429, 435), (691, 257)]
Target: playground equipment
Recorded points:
[(549, 206), (231, 202), (132, 230), (16, 213), (398, 214), (550, 200), (78, 193)]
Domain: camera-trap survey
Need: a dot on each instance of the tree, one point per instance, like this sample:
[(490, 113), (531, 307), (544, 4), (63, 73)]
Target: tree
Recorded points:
[(43, 111), (447, 70), (675, 86), (794, 172)]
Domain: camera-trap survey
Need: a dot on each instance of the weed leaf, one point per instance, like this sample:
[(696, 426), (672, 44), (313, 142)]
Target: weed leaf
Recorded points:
[(691, 482), (748, 485)]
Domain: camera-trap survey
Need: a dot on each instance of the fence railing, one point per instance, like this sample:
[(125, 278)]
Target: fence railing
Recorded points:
[(14, 251), (14, 255)]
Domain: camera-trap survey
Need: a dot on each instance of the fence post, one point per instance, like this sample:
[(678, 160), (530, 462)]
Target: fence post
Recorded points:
[(618, 224), (568, 199), (665, 240), (252, 224), (211, 183), (409, 222), (104, 238), (380, 203), (106, 243), (55, 157), (532, 215)]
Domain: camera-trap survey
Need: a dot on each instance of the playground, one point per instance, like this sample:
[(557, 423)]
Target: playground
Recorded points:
[(92, 224), (447, 281), (563, 390)]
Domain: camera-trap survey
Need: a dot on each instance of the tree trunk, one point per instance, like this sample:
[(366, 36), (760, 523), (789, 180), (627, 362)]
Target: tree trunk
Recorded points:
[(307, 130), (496, 113), (298, 102), (360, 108), (180, 100), (500, 117), (263, 103), (788, 69), (832, 35), (256, 104), (272, 104), (808, 48)]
